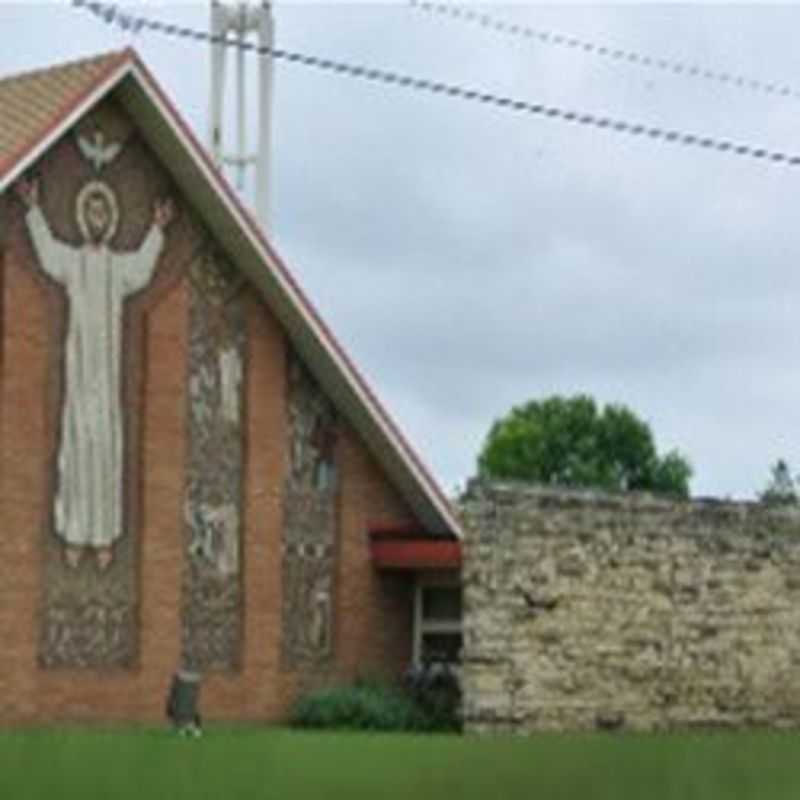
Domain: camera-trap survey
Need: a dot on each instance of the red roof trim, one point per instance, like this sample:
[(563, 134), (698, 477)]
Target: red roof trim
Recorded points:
[(415, 554), (68, 108)]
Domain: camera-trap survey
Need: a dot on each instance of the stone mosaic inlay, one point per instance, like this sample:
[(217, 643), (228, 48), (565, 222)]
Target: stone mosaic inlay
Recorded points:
[(310, 522), (212, 581)]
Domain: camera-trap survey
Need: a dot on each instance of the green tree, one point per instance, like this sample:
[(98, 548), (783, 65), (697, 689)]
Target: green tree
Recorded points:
[(569, 441), (781, 490)]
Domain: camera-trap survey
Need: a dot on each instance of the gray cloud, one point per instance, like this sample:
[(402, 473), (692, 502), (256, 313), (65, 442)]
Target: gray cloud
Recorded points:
[(471, 258)]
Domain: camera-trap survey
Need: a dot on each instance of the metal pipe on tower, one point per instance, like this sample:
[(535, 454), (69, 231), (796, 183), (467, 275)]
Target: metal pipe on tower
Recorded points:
[(243, 19), (266, 35)]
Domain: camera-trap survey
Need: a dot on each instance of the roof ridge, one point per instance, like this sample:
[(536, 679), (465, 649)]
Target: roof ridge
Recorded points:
[(78, 62)]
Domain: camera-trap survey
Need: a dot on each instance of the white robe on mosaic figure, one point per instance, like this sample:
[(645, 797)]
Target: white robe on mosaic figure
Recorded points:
[(89, 501)]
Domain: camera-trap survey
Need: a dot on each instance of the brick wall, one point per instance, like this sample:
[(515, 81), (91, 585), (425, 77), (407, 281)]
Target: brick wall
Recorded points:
[(372, 615)]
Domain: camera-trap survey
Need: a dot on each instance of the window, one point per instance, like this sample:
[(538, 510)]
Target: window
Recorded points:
[(437, 617)]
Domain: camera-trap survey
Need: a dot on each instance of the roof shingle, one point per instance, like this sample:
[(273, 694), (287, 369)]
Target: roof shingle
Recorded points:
[(32, 103)]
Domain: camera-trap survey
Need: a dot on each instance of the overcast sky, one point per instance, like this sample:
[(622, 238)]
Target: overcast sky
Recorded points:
[(471, 258)]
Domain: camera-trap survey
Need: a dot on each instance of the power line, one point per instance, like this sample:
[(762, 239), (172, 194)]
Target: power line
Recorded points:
[(618, 54), (654, 132)]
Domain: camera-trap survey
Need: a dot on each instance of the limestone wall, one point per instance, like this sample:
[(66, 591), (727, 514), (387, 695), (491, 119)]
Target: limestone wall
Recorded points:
[(585, 610)]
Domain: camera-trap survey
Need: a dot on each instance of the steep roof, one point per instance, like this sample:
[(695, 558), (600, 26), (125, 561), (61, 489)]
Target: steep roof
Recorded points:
[(37, 108)]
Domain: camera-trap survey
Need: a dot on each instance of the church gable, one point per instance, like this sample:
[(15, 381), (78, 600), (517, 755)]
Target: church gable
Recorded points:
[(100, 281), (169, 138), (189, 474)]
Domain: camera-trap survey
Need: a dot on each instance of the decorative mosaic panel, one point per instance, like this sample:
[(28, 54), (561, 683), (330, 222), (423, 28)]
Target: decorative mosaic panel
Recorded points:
[(212, 580), (89, 619), (88, 613), (310, 522)]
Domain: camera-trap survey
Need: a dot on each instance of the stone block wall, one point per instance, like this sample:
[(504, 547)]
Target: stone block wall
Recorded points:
[(593, 611)]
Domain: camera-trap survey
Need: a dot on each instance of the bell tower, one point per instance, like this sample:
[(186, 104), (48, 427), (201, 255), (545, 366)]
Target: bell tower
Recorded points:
[(233, 23)]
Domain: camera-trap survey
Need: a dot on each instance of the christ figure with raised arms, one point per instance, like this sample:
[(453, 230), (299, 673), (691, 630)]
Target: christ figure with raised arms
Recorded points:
[(88, 505)]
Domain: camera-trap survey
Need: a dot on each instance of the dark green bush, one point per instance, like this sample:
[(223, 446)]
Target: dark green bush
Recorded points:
[(363, 706), (436, 691)]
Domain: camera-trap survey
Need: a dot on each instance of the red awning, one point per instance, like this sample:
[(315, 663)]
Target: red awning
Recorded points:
[(415, 554)]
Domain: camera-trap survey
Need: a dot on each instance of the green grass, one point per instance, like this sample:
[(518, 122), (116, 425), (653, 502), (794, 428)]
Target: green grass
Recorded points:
[(252, 763)]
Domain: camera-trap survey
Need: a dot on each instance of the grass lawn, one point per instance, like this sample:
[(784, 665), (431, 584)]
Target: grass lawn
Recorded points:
[(228, 764)]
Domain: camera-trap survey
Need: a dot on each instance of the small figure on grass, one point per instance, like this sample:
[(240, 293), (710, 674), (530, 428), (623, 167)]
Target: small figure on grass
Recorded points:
[(183, 703)]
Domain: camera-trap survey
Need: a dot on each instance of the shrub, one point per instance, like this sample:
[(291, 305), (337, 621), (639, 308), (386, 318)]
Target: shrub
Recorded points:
[(362, 706), (436, 690), (422, 704)]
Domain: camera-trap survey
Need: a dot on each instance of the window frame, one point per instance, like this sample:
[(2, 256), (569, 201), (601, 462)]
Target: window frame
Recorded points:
[(421, 626)]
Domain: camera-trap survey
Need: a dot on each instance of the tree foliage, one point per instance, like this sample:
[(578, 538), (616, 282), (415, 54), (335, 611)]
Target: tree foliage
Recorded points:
[(781, 490), (569, 441)]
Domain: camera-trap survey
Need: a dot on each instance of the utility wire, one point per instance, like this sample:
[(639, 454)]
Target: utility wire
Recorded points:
[(617, 54), (126, 21)]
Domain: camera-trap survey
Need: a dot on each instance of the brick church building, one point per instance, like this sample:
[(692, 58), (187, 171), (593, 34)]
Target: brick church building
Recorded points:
[(192, 472)]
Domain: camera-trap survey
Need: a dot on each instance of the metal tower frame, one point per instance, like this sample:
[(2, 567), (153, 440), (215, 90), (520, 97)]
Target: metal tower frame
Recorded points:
[(243, 18)]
